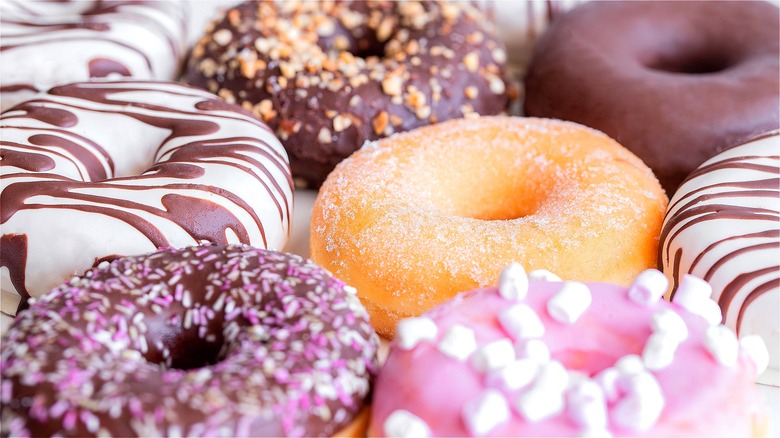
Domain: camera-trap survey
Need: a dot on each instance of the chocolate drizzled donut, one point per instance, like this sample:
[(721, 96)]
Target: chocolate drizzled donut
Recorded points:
[(203, 341), (123, 168), (329, 76)]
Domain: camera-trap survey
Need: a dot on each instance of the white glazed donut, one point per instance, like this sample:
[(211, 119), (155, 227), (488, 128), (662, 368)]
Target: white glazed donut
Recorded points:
[(57, 42), (723, 225), (99, 169)]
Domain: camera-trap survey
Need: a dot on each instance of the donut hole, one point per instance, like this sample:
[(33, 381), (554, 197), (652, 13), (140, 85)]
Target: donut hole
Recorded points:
[(186, 349), (691, 62)]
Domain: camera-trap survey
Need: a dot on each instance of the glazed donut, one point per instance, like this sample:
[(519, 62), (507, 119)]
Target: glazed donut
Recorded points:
[(52, 43), (202, 341), (413, 219), (329, 76), (544, 358), (684, 81), (723, 225), (77, 170)]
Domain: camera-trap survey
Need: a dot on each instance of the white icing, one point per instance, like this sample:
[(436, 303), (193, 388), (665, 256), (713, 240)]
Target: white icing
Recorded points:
[(756, 350)]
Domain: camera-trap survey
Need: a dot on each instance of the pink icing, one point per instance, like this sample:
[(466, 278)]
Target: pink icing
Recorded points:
[(435, 388)]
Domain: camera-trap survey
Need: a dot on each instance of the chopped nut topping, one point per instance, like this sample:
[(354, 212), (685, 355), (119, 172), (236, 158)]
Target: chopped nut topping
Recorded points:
[(341, 123), (379, 123), (354, 100), (496, 84), (385, 29), (265, 109), (471, 61), (499, 55), (471, 92), (422, 113), (324, 136), (223, 37), (396, 120), (392, 85)]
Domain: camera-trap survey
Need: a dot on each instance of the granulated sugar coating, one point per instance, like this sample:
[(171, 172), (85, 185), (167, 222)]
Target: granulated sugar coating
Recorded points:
[(416, 218)]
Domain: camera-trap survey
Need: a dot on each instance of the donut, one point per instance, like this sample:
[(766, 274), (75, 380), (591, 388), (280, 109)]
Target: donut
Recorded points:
[(684, 81), (201, 341), (413, 219), (552, 358), (723, 225), (112, 168), (329, 76), (53, 43)]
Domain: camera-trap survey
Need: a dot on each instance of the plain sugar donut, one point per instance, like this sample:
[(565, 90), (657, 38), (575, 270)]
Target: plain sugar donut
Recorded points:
[(96, 170), (413, 219), (53, 43), (202, 341), (682, 82), (327, 76)]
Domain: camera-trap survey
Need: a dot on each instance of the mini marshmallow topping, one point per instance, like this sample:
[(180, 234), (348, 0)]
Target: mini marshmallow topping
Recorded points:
[(513, 282), (404, 424), (485, 412), (411, 331), (570, 302), (521, 322), (648, 287), (458, 343)]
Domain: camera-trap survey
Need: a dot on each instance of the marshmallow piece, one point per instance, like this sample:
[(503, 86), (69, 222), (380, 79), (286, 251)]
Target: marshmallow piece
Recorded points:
[(659, 350), (670, 322), (630, 364), (648, 287), (636, 412), (693, 294), (458, 343), (411, 331), (513, 282), (520, 322), (722, 344), (534, 349), (515, 376), (553, 377), (403, 423), (587, 405), (485, 412), (756, 350), (542, 275), (644, 384), (537, 404), (607, 380), (570, 302), (494, 355), (595, 433)]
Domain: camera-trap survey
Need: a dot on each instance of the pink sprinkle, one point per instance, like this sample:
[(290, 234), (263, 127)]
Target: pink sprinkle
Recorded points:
[(69, 421)]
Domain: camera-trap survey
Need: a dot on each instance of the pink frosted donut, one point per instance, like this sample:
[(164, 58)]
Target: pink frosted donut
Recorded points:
[(551, 358), (203, 341)]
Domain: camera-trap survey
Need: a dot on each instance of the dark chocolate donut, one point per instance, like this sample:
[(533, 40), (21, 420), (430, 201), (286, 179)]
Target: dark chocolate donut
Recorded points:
[(329, 76), (675, 82), (202, 341)]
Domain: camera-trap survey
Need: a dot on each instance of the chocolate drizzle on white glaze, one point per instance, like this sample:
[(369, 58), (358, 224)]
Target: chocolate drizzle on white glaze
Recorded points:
[(202, 341), (68, 160)]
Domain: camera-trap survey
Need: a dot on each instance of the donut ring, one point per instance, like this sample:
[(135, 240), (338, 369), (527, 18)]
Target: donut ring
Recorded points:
[(219, 175), (202, 341), (52, 43), (684, 81), (413, 219), (546, 358), (723, 225), (329, 76)]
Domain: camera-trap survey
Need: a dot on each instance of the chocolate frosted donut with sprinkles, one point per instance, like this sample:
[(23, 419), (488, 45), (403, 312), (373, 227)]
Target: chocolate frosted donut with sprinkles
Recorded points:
[(327, 76), (202, 341), (56, 42), (723, 225), (101, 169)]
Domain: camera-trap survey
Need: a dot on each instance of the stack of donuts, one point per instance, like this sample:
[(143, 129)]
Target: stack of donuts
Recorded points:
[(553, 230)]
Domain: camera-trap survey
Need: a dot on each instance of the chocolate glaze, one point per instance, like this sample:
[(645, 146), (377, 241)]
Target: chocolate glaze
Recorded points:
[(31, 180), (682, 82), (326, 108), (202, 341)]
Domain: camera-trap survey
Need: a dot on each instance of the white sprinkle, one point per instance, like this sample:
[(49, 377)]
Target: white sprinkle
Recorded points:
[(659, 350), (494, 355), (570, 302), (536, 405), (756, 350), (485, 412), (533, 349), (411, 331), (722, 344), (513, 282), (587, 405), (458, 343), (514, 376), (693, 294), (521, 322), (402, 423), (542, 275), (648, 287), (670, 322)]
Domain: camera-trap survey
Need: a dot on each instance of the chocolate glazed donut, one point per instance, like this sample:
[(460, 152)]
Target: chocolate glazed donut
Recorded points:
[(675, 82), (329, 76)]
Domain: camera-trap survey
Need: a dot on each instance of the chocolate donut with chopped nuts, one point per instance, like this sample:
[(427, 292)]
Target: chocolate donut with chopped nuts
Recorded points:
[(329, 76)]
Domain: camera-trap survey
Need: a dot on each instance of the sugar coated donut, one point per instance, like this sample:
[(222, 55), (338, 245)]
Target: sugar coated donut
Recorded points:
[(546, 358), (684, 81), (53, 43), (413, 219), (202, 341), (204, 171), (329, 76), (723, 225)]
